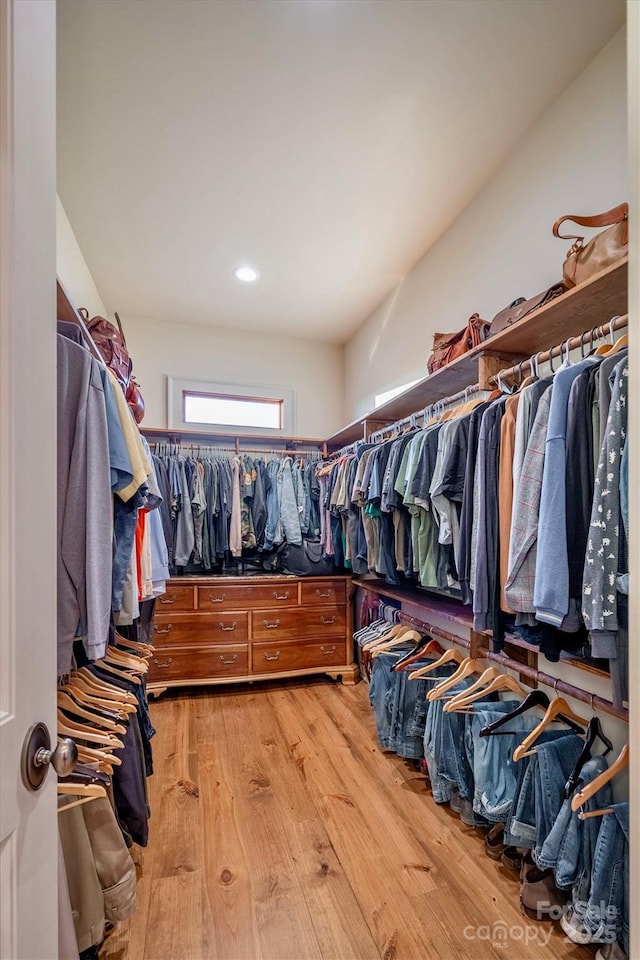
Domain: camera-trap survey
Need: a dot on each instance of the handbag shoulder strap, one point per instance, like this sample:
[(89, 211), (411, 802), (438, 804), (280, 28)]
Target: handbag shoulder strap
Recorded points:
[(124, 339), (615, 215)]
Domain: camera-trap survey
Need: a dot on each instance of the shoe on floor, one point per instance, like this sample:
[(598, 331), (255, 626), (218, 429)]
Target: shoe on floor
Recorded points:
[(540, 899), (512, 859), (611, 951), (494, 845)]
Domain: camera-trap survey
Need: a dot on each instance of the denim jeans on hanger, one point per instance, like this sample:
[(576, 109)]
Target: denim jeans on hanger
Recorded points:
[(409, 714), (570, 846), (494, 772), (381, 698), (607, 914), (537, 789)]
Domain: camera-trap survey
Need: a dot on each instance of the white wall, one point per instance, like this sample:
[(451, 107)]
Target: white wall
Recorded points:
[(501, 247), (315, 371), (196, 352), (72, 268)]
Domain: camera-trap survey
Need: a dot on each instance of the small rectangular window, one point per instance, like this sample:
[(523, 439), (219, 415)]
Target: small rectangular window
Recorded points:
[(232, 411)]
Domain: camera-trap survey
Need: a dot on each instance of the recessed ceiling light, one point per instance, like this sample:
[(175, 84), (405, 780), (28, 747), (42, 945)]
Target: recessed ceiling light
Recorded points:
[(246, 274)]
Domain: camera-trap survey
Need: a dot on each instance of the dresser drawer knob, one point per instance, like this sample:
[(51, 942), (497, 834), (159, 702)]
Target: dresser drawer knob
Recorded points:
[(271, 626), (327, 651), (327, 620), (167, 629), (213, 599), (231, 626), (323, 593), (163, 663), (232, 660), (171, 599), (281, 596), (276, 656)]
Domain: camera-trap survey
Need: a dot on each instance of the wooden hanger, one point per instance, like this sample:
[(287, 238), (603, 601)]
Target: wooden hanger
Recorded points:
[(103, 686), (118, 671), (557, 709), (489, 674), (69, 705), (430, 648), (389, 635), (580, 798), (81, 732), (622, 341), (102, 758), (447, 657), (119, 658), (500, 683), (84, 791), (144, 650), (87, 696), (398, 641), (467, 668)]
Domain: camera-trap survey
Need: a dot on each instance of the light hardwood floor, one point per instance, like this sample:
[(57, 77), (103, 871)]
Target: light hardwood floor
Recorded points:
[(279, 830)]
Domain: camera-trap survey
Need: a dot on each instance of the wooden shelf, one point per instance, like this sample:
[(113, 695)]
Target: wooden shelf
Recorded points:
[(203, 437), (589, 305), (436, 604)]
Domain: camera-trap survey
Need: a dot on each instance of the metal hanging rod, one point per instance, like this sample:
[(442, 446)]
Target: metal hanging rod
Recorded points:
[(573, 343), (430, 411), (532, 673)]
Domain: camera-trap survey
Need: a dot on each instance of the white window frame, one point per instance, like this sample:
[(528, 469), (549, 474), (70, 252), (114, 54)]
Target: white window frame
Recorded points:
[(177, 387)]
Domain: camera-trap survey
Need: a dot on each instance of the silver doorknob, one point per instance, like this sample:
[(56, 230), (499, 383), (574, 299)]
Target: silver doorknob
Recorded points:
[(37, 756)]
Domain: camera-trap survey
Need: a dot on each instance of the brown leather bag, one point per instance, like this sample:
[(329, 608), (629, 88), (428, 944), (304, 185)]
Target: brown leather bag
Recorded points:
[(522, 308), (450, 346), (603, 250), (112, 345)]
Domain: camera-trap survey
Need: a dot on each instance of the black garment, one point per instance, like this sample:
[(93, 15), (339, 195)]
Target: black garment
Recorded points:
[(455, 464), (129, 779), (387, 552), (466, 514), (488, 571), (259, 502), (579, 476)]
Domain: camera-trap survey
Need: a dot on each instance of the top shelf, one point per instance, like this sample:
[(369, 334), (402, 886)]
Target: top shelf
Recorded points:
[(583, 307)]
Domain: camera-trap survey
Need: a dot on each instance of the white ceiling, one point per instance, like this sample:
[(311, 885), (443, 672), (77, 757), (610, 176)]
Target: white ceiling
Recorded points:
[(329, 143)]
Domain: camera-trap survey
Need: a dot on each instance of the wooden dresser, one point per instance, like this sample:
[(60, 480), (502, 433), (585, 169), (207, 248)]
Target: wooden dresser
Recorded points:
[(210, 630)]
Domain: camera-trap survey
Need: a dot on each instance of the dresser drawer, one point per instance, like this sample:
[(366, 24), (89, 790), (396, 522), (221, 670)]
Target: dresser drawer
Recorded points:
[(292, 655), (334, 591), (200, 628), (298, 624), (176, 598), (237, 596), (199, 663)]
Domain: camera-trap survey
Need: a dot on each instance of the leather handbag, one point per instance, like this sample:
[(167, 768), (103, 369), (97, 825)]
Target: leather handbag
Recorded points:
[(112, 345), (603, 250), (522, 308), (450, 346)]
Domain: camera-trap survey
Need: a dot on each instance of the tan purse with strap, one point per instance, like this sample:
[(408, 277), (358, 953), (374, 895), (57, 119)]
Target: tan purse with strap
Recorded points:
[(585, 260), (449, 346)]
